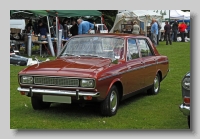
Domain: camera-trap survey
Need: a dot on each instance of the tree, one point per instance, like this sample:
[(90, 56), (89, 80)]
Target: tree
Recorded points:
[(109, 17)]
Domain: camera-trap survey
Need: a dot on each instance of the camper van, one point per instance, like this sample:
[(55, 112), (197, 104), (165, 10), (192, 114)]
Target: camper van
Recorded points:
[(17, 24), (101, 28), (16, 28)]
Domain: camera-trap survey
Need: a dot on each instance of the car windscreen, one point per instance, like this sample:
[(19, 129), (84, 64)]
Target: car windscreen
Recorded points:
[(95, 46)]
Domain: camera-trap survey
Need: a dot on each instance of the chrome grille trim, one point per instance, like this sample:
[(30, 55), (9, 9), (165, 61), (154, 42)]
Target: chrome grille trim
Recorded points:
[(56, 81)]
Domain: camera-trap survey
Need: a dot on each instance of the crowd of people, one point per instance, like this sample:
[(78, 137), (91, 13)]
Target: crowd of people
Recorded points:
[(40, 28), (170, 31), (79, 26)]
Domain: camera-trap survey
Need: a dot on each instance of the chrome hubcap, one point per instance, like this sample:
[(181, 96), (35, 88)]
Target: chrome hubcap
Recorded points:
[(113, 101), (156, 84)]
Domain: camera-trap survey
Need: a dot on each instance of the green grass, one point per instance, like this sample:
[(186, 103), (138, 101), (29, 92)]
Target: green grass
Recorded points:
[(140, 112)]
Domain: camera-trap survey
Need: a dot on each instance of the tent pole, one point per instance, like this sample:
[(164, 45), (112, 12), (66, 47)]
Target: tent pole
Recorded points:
[(145, 25), (169, 16), (57, 31), (48, 24)]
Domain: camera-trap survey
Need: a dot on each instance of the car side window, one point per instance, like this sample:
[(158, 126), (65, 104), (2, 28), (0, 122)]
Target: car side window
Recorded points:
[(132, 50), (144, 48)]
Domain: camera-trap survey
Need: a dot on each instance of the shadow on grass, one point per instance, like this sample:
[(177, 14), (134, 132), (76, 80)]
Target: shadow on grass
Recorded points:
[(89, 110)]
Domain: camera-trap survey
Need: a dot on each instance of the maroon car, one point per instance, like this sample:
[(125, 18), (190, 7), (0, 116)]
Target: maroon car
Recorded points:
[(103, 68)]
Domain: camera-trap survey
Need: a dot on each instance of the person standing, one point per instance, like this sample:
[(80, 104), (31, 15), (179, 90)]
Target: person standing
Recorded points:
[(167, 29), (136, 28), (74, 28), (65, 29), (182, 28), (84, 27), (188, 30), (29, 26), (42, 29), (159, 34), (154, 32), (175, 30), (95, 27), (60, 27)]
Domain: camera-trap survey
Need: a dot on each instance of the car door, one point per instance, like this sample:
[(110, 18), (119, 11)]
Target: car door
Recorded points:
[(134, 80), (149, 60)]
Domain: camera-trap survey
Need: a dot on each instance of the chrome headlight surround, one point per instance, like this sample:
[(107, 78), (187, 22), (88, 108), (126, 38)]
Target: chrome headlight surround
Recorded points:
[(26, 79), (186, 83), (87, 83)]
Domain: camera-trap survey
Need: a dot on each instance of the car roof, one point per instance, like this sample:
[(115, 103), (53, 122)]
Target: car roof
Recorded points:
[(123, 35)]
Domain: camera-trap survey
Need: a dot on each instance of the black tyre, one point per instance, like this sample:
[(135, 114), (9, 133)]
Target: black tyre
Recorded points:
[(154, 90), (188, 119), (38, 104), (110, 105)]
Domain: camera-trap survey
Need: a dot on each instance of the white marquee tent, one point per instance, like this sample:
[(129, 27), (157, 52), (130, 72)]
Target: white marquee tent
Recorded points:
[(142, 15), (178, 14)]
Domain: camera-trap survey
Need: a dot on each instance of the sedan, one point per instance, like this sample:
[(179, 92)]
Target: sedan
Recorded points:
[(101, 68)]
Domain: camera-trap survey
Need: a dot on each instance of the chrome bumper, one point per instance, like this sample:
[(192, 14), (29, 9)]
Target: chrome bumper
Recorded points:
[(185, 109), (30, 91)]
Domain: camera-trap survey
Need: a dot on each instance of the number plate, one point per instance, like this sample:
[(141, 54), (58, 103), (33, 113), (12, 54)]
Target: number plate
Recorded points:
[(57, 99)]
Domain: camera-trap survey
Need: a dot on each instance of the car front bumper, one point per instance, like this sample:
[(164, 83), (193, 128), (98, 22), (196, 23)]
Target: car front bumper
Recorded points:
[(185, 109), (30, 91)]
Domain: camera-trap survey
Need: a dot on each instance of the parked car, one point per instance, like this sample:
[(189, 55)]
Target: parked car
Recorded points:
[(100, 28), (105, 68), (18, 60), (185, 106)]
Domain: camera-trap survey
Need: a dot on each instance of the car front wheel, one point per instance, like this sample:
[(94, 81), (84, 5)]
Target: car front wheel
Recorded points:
[(154, 90), (38, 104), (110, 105)]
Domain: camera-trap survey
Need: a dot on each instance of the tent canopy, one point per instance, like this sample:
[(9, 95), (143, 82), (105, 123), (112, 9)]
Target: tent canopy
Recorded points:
[(63, 13), (178, 14), (66, 13), (140, 15), (74, 13)]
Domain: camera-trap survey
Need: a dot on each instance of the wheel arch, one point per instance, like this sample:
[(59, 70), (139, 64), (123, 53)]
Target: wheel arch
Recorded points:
[(160, 74), (117, 82)]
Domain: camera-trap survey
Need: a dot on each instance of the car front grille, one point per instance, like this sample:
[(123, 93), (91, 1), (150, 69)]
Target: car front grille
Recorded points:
[(56, 81)]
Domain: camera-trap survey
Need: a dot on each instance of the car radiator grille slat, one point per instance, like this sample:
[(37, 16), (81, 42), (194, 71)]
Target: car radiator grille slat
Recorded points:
[(56, 81)]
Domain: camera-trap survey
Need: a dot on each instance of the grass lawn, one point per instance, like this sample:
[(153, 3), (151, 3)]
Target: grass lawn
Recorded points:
[(140, 112)]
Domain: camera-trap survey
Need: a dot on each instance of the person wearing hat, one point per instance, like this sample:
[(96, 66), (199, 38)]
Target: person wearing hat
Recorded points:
[(136, 28)]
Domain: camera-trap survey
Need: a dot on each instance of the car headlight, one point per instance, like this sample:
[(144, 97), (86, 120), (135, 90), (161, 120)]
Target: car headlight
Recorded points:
[(186, 83), (26, 79), (89, 83)]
